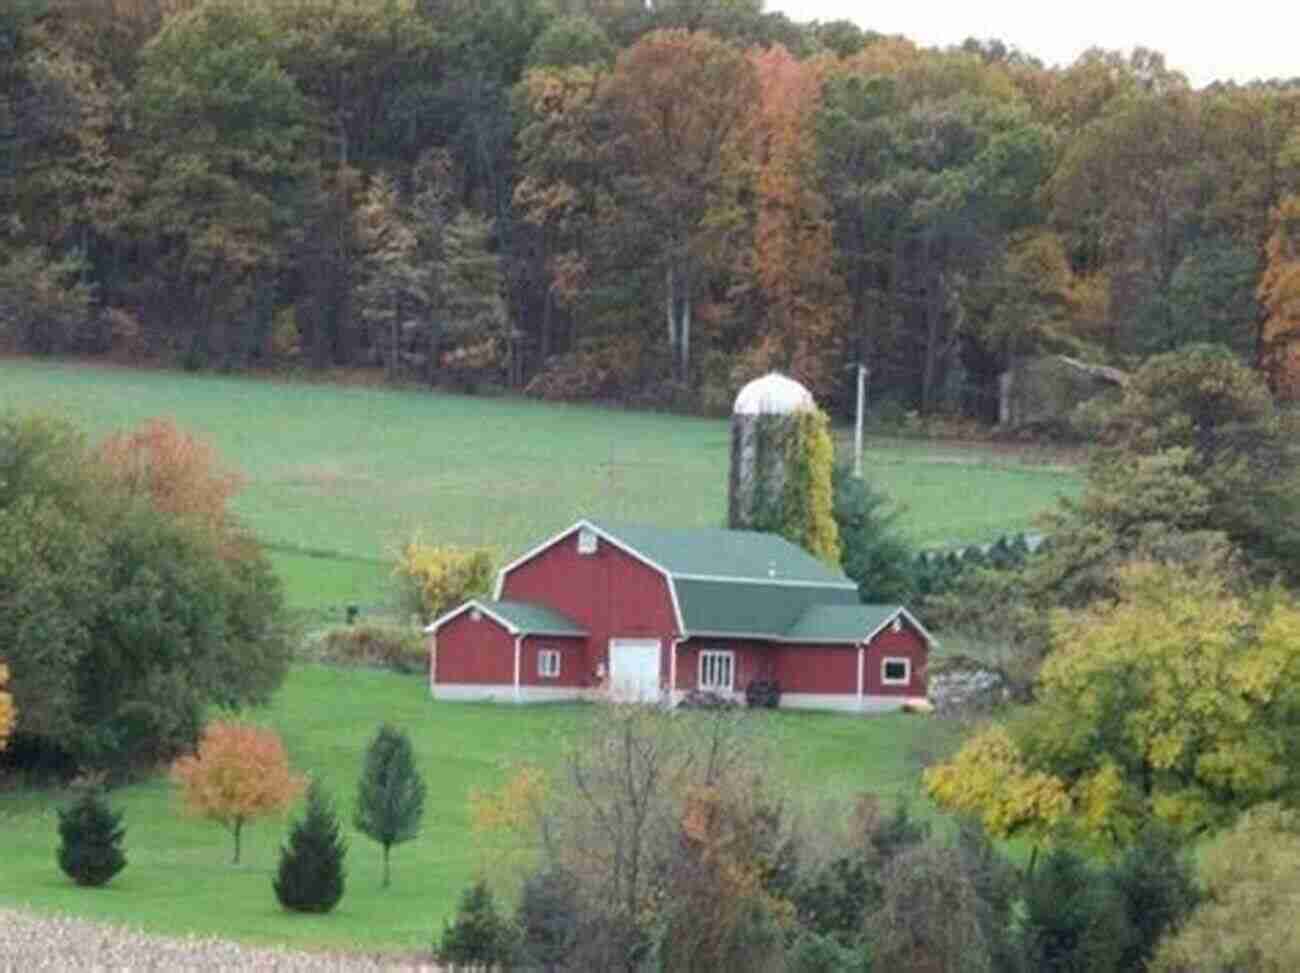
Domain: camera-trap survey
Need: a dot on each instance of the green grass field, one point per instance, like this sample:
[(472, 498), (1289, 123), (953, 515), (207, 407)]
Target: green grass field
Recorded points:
[(338, 476), (179, 879)]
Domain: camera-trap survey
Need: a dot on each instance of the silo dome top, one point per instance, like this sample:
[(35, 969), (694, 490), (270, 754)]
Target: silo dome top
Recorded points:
[(773, 394)]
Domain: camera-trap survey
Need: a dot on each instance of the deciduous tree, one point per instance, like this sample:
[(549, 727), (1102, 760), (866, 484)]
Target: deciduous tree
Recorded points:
[(681, 107), (238, 774), (1252, 884), (7, 718), (1177, 703), (177, 472), (1279, 293)]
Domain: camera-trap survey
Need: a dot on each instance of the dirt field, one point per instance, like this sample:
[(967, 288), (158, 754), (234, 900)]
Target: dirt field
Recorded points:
[(33, 943)]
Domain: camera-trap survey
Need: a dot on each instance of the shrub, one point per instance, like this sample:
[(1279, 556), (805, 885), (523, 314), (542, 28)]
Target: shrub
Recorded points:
[(930, 915), (1247, 922), (433, 579), (548, 918), (385, 646), (90, 851), (811, 953), (763, 694), (1157, 886), (706, 699), (310, 876), (479, 935), (1073, 919)]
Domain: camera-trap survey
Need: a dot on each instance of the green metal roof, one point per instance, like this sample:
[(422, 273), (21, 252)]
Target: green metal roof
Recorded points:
[(839, 623), (533, 619), (754, 608), (717, 553)]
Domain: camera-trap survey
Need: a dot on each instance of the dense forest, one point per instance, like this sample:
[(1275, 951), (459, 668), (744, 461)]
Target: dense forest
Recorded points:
[(614, 199)]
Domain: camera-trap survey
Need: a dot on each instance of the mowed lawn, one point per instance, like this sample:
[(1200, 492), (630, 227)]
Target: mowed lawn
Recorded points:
[(179, 878), (337, 477)]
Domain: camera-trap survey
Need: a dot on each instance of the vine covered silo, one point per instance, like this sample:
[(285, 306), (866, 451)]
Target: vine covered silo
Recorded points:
[(764, 421)]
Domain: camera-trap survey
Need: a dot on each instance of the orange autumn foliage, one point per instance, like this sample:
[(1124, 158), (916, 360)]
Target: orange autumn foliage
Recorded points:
[(793, 249), (7, 715), (179, 473), (239, 773), (1279, 293)]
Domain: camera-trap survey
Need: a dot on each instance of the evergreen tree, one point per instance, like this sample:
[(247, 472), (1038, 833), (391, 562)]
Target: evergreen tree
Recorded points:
[(479, 936), (390, 794), (311, 875), (90, 852)]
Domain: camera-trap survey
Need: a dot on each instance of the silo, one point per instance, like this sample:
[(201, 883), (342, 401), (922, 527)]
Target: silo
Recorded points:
[(762, 424)]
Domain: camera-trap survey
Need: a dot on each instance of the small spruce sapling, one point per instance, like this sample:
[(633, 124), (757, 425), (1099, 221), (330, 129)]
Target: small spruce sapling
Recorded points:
[(90, 851), (311, 874), (390, 794), (479, 935)]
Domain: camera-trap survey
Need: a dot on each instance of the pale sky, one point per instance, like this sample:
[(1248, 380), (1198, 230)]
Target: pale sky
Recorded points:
[(1239, 40)]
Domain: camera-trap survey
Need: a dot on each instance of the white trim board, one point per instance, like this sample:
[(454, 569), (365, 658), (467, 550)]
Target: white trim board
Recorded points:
[(844, 702), (769, 582), (505, 693), (509, 626)]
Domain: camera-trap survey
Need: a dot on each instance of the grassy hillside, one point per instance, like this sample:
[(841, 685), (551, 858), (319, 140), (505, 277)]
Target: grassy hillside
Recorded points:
[(179, 878), (339, 475)]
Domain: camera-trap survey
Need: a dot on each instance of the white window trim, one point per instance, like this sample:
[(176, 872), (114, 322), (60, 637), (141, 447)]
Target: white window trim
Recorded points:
[(907, 671), (587, 541), (545, 671), (711, 654)]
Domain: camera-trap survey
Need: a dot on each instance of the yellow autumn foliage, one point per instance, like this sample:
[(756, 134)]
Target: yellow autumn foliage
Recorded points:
[(988, 779), (808, 501), (434, 579), (1180, 702), (513, 807), (7, 714)]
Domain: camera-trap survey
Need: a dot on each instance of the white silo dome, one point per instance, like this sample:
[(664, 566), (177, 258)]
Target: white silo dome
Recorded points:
[(773, 394)]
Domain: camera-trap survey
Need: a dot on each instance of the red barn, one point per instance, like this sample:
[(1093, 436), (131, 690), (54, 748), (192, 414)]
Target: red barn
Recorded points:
[(651, 613)]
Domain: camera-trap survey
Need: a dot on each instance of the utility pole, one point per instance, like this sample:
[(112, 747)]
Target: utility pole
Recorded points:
[(857, 428)]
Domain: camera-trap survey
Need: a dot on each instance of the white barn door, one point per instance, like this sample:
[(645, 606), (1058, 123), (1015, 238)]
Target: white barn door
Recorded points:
[(634, 670)]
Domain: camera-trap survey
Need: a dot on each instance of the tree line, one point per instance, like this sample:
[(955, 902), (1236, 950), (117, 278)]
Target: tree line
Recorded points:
[(616, 200)]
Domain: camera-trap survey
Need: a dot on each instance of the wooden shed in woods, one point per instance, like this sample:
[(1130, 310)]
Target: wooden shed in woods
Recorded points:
[(648, 613)]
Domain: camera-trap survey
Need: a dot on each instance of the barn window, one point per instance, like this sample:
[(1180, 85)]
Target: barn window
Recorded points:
[(548, 664), (586, 541), (717, 672), (896, 672)]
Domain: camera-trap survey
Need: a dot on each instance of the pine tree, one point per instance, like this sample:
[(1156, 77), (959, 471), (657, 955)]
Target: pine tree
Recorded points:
[(310, 878), (479, 936), (390, 794), (90, 852)]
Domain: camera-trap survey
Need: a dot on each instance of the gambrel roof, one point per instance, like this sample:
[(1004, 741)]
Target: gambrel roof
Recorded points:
[(742, 584)]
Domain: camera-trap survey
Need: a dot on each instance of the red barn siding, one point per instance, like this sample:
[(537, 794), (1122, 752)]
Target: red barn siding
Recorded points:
[(609, 593), (475, 653), (822, 669), (907, 643), (573, 662), (754, 660)]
